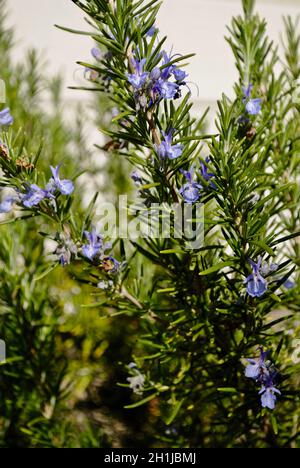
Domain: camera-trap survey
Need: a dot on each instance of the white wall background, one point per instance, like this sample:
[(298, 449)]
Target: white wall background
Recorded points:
[(191, 25)]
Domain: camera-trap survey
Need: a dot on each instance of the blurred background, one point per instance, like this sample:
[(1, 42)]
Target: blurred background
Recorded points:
[(191, 26)]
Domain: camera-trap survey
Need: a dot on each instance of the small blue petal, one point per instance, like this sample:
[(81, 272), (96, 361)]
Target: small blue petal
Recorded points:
[(268, 397), (66, 187), (6, 118), (289, 284), (167, 150), (253, 106), (94, 246), (166, 89), (257, 287), (33, 196), (247, 91), (252, 371), (180, 75), (152, 31), (90, 251), (137, 81), (191, 192), (7, 205), (96, 53)]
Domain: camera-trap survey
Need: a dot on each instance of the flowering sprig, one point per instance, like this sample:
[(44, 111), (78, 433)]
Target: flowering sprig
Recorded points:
[(263, 373), (32, 195)]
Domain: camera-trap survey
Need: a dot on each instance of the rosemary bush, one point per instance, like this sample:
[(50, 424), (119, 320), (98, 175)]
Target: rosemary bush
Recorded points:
[(215, 359)]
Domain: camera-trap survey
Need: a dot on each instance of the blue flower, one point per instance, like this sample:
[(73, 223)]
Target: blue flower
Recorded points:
[(156, 84), (65, 187), (94, 246), (266, 268), (168, 70), (191, 190), (152, 31), (207, 176), (6, 118), (253, 106), (166, 149), (289, 284), (34, 196), (139, 78), (136, 178), (256, 284), (180, 75), (7, 204), (96, 53), (257, 368), (268, 394), (165, 89), (161, 86)]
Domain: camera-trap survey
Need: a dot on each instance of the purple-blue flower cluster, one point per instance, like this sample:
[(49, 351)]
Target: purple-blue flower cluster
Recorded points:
[(94, 246), (33, 195), (94, 250), (263, 373), (162, 82)]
